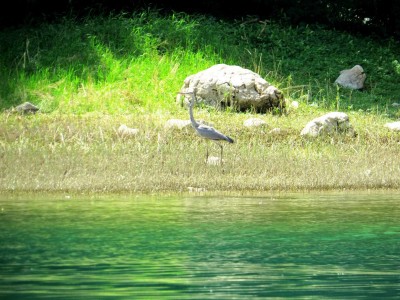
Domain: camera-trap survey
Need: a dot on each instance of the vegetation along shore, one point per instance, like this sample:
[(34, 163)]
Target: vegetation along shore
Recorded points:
[(90, 76)]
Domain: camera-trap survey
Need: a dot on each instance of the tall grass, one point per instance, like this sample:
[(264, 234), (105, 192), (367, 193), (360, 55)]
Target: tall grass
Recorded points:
[(86, 154)]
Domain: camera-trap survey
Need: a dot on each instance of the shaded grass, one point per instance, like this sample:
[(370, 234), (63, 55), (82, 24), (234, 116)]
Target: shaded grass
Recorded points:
[(135, 62)]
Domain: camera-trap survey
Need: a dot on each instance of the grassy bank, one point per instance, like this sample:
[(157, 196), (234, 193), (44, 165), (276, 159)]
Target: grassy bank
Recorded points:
[(85, 153), (90, 76)]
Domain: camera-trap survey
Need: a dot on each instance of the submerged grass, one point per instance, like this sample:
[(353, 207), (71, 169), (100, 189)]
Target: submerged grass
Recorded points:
[(90, 76)]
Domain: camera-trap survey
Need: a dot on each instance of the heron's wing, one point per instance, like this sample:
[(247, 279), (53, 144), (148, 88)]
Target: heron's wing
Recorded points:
[(211, 133)]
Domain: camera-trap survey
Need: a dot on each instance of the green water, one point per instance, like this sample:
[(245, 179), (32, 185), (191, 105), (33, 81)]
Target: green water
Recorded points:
[(285, 246)]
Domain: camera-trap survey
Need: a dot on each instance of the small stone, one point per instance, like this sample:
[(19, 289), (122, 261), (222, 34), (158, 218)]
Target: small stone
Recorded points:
[(395, 126), (195, 189), (254, 122), (176, 123), (213, 160), (124, 130), (353, 78), (294, 105), (329, 123), (26, 108), (276, 131)]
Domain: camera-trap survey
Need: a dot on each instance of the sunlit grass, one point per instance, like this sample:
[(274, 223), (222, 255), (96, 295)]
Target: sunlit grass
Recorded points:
[(86, 154), (74, 64)]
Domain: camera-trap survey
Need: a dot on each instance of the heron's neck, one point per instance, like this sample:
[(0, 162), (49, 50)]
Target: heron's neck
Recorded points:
[(194, 123)]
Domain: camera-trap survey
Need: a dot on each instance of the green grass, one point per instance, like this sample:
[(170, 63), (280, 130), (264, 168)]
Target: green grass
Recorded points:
[(122, 63), (90, 76)]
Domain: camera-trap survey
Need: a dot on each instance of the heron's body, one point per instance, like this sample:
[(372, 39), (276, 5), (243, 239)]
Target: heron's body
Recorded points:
[(205, 131), (210, 133)]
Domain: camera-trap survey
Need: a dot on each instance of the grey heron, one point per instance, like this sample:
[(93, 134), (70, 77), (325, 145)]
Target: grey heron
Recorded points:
[(205, 131)]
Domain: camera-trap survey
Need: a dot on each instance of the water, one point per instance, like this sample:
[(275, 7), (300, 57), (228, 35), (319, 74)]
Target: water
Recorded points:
[(284, 246)]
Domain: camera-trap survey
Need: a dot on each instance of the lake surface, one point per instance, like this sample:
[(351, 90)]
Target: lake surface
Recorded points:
[(304, 246)]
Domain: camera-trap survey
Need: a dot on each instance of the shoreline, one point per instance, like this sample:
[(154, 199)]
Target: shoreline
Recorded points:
[(128, 195)]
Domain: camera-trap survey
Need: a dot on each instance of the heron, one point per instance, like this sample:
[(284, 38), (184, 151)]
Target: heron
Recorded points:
[(205, 131)]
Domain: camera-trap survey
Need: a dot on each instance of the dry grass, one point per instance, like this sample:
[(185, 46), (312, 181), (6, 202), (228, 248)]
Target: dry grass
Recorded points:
[(86, 154)]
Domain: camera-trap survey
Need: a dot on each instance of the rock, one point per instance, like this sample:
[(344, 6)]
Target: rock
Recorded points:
[(177, 123), (353, 78), (395, 126), (368, 172), (294, 105), (333, 122), (224, 85), (27, 108), (124, 130), (276, 131), (196, 189), (254, 122), (213, 160)]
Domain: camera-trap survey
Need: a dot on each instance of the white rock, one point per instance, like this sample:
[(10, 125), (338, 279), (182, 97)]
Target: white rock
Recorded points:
[(254, 122), (353, 78), (124, 130), (328, 123), (276, 131), (224, 85), (395, 126), (213, 160), (177, 123), (196, 189), (294, 105)]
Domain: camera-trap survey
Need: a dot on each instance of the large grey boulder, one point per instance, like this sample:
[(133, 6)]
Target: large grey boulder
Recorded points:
[(353, 78), (333, 122), (225, 85)]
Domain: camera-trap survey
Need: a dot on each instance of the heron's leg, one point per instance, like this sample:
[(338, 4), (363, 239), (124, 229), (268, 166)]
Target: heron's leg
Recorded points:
[(220, 145), (206, 152), (221, 151)]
